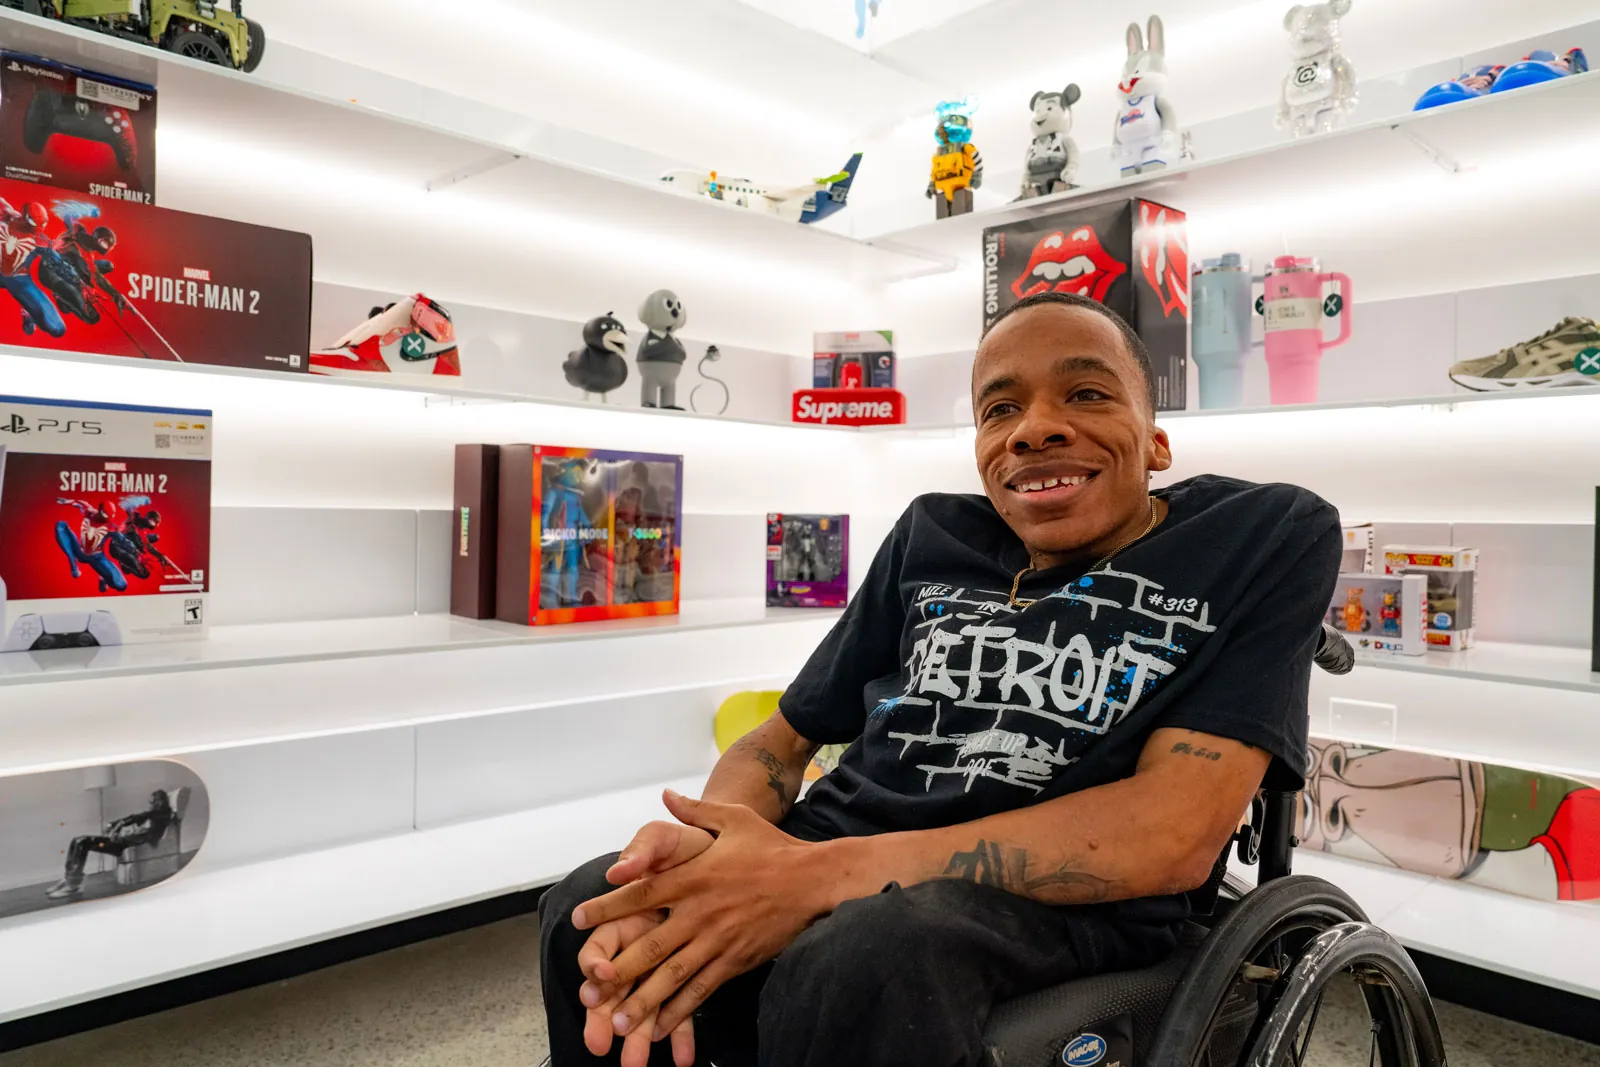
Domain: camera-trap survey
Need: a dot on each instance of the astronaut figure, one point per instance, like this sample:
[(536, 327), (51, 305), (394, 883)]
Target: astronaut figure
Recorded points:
[(1320, 88), (1051, 165), (661, 356)]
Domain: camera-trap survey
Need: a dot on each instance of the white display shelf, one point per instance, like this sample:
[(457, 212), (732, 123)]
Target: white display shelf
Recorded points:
[(1554, 943), (206, 918), (437, 141), (1439, 400), (1539, 666), (270, 644), (1459, 135)]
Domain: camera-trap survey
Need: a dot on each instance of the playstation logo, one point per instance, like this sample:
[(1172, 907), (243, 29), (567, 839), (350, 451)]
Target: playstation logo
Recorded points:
[(15, 425)]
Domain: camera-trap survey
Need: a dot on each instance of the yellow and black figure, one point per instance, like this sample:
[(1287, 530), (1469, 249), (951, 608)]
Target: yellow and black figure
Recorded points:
[(957, 163)]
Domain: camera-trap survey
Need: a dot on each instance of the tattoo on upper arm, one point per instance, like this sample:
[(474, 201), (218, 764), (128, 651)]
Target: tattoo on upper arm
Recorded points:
[(1184, 748), (775, 768), (1004, 867)]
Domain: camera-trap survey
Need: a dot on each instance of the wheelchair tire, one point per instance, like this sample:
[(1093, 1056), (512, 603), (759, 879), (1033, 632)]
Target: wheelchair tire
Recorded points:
[(1405, 1031), (1216, 1011)]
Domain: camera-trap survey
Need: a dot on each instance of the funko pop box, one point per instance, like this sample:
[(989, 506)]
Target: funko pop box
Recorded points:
[(1131, 256), (1451, 572), (808, 560), (105, 524), (585, 534), (89, 274), (75, 129)]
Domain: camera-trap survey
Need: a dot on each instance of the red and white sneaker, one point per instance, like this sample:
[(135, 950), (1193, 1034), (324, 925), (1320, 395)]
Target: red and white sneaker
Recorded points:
[(410, 336)]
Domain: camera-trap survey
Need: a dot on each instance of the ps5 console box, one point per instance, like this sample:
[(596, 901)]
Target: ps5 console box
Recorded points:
[(472, 565), (586, 534), (1132, 256), (105, 524), (83, 273), (76, 129)]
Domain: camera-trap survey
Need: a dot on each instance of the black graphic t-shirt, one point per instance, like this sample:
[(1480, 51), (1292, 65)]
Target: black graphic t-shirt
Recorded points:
[(960, 705)]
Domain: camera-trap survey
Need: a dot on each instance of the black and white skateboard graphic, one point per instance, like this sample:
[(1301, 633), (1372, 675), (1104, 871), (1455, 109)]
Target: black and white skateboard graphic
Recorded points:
[(95, 832)]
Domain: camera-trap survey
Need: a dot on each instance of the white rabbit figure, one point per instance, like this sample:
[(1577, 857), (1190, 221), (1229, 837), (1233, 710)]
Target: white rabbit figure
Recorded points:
[(1320, 88), (1146, 137)]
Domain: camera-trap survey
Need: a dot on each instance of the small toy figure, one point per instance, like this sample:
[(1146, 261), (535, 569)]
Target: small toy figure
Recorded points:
[(1146, 136), (1051, 165), (1541, 65), (600, 365), (957, 163), (1474, 83), (1353, 613), (1320, 88), (563, 522), (661, 355), (863, 8), (1390, 614)]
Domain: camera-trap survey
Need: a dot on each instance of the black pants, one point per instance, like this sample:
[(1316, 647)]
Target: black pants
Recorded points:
[(78, 853), (907, 976)]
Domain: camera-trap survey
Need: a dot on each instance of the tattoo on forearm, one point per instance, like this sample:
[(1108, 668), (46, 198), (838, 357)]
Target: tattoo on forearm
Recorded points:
[(775, 769), (1004, 867), (1184, 748)]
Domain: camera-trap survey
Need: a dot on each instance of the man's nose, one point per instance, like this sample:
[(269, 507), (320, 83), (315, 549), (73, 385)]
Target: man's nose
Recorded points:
[(1042, 426)]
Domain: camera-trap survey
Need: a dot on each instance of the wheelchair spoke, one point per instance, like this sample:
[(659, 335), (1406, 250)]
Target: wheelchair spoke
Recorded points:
[(1299, 1054)]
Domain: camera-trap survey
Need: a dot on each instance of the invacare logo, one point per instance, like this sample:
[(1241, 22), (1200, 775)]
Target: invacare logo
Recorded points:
[(849, 407)]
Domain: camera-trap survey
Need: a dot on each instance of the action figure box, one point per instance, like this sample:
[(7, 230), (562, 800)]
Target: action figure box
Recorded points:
[(1357, 549), (81, 273), (1452, 576), (75, 129), (808, 560), (1132, 256), (105, 524), (477, 518), (585, 534), (853, 360), (1381, 613)]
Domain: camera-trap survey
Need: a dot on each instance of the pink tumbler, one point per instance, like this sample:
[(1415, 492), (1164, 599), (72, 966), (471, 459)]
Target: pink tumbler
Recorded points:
[(1293, 306)]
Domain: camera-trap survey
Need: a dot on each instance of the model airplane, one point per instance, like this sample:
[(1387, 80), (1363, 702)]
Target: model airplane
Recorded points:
[(804, 203)]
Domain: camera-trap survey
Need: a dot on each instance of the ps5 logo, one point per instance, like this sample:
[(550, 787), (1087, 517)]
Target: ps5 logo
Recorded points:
[(17, 424)]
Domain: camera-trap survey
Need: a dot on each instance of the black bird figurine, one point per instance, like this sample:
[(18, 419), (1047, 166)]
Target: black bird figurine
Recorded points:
[(600, 365)]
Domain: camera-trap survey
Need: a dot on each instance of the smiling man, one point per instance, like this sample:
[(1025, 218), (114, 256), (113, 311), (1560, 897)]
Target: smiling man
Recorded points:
[(1061, 696)]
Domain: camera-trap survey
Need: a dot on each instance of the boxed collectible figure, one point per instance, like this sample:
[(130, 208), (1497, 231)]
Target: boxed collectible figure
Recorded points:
[(1452, 573), (472, 564), (1132, 256), (808, 560), (105, 524), (1357, 549), (1381, 613), (586, 534), (75, 129), (863, 358), (81, 273)]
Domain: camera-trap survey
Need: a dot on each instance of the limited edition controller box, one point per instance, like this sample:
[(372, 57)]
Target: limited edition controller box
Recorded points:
[(586, 534), (81, 273), (105, 524), (75, 129), (1131, 256)]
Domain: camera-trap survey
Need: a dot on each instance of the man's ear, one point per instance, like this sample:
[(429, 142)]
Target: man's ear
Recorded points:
[(1159, 457)]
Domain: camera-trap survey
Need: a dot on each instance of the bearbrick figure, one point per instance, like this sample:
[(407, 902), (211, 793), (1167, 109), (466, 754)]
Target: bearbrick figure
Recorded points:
[(1051, 165), (1320, 88)]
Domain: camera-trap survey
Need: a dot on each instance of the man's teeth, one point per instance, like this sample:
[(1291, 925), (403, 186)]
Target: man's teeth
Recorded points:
[(1049, 483)]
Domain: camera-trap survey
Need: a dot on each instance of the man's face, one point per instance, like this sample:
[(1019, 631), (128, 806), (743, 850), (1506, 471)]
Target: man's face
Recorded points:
[(1066, 439)]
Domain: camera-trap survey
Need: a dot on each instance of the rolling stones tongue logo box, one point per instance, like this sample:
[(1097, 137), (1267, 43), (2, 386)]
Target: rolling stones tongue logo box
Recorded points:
[(80, 273), (1131, 256)]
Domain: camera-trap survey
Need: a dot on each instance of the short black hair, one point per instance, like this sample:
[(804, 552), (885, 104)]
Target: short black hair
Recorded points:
[(1130, 337)]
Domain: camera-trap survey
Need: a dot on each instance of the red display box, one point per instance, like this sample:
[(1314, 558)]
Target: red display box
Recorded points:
[(849, 407), (585, 534), (80, 273)]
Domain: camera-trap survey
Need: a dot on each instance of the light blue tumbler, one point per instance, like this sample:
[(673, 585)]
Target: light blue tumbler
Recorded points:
[(1221, 332)]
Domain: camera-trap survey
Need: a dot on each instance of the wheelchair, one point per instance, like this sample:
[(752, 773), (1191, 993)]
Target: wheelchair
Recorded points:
[(1252, 968)]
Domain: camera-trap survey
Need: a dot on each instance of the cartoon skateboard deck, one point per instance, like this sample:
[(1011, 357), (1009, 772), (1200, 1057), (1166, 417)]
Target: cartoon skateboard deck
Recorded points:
[(90, 833), (1503, 828)]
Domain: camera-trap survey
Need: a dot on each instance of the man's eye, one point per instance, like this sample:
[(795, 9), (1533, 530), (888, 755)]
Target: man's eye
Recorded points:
[(1005, 407), (1089, 393)]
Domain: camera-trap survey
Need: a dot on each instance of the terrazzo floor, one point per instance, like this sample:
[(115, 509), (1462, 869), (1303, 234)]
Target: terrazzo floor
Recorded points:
[(472, 1000)]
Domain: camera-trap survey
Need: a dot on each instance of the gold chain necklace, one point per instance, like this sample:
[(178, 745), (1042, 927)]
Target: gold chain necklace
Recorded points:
[(1016, 583)]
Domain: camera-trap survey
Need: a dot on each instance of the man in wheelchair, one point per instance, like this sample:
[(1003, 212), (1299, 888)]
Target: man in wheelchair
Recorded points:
[(1062, 695)]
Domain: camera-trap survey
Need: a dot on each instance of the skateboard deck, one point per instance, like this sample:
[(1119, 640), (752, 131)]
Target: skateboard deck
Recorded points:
[(81, 835)]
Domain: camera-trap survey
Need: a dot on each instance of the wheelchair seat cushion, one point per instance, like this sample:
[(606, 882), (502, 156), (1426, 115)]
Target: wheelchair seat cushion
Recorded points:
[(1032, 1030)]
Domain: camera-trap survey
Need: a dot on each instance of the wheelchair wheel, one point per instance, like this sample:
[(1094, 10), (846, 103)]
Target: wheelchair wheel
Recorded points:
[(1236, 988)]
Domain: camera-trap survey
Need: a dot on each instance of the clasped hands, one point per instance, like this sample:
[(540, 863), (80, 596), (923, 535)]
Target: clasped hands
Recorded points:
[(700, 903)]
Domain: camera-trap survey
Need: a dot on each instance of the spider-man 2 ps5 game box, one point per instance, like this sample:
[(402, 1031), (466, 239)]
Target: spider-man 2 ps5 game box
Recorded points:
[(81, 273), (1132, 256), (105, 525), (585, 534)]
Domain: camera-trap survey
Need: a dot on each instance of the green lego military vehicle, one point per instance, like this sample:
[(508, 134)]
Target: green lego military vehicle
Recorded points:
[(200, 29)]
